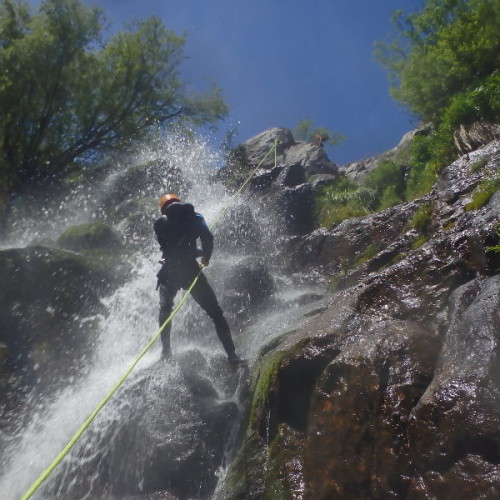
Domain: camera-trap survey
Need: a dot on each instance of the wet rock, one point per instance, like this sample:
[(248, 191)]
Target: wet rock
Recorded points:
[(44, 294), (238, 231), (264, 179), (140, 182), (356, 444), (248, 288), (295, 206), (167, 441), (95, 235), (292, 175), (454, 436), (340, 246)]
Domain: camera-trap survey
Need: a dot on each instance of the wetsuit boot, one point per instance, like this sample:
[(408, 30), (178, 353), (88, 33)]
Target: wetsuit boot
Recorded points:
[(224, 334)]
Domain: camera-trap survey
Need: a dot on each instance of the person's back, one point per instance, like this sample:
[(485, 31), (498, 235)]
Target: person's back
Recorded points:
[(177, 232)]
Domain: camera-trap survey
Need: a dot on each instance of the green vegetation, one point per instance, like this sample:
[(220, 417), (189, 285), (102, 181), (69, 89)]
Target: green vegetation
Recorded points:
[(422, 222), (306, 131), (444, 66), (369, 252), (483, 192), (496, 248), (341, 199), (479, 164), (67, 93)]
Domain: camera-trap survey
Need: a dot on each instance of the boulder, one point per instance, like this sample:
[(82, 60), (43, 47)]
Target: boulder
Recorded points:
[(94, 235), (356, 443), (454, 439), (45, 292), (258, 147), (300, 156), (313, 159), (167, 441)]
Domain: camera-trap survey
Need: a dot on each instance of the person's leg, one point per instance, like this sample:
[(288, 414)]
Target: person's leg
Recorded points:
[(205, 297), (167, 295)]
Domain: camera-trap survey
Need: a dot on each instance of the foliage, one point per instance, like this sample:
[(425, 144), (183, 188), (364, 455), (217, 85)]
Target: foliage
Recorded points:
[(444, 66), (369, 252), (306, 131), (421, 220), (383, 187), (341, 199), (66, 94), (479, 164), (483, 192), (496, 248), (449, 47), (387, 180)]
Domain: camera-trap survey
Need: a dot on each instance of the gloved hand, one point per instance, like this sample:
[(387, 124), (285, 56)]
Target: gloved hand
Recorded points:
[(204, 262)]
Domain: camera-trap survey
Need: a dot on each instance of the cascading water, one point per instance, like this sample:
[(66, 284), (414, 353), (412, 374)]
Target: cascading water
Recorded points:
[(170, 426)]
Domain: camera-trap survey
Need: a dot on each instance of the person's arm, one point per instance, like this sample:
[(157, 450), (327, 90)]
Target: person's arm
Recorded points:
[(207, 240), (160, 234)]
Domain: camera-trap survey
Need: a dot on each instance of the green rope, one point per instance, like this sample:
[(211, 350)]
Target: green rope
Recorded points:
[(46, 473)]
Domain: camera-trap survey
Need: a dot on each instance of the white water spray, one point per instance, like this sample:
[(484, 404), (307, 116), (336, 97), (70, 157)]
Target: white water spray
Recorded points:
[(164, 406)]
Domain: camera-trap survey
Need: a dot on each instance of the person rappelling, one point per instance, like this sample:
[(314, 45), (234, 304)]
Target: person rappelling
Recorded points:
[(177, 231)]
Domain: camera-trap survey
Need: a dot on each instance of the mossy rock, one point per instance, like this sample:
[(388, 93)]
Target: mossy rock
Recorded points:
[(90, 236), (45, 292), (272, 448)]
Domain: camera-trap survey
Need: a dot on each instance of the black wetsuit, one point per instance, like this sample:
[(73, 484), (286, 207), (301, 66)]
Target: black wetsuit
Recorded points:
[(177, 233)]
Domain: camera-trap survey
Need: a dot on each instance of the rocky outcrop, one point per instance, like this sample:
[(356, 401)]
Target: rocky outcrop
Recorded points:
[(477, 135), (44, 294), (95, 235), (288, 179), (310, 158), (167, 441), (357, 170), (389, 388), (453, 431)]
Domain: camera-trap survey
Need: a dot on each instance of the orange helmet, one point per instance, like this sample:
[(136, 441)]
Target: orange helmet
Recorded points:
[(168, 198)]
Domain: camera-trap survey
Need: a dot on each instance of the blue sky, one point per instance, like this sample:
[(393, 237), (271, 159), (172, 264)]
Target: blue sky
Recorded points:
[(279, 61)]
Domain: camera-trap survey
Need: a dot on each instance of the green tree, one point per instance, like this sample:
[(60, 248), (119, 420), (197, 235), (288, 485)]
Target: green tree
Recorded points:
[(306, 131), (66, 93), (447, 48)]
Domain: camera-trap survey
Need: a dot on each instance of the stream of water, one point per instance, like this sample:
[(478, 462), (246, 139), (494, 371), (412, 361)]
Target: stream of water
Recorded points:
[(171, 426)]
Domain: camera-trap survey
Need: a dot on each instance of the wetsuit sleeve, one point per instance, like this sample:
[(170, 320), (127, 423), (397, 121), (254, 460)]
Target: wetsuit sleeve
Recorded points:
[(206, 237), (160, 235)]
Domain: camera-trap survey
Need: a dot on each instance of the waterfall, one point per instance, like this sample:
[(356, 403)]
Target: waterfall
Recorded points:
[(172, 425)]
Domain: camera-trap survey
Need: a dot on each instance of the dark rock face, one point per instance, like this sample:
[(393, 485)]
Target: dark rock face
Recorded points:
[(169, 438), (453, 434), (90, 236), (391, 387), (248, 288), (44, 292), (356, 443)]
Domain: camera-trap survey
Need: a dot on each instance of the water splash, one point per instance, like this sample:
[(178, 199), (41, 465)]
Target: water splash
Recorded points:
[(145, 438)]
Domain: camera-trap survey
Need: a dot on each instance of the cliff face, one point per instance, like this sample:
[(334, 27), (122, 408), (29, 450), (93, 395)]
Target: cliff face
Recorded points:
[(390, 388)]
